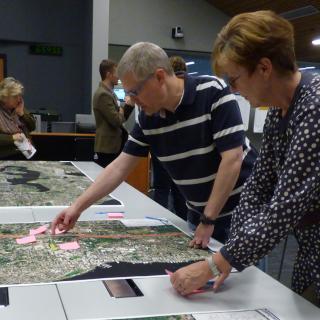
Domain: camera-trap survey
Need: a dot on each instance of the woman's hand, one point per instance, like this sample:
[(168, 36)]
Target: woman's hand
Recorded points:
[(18, 137), (191, 277), (195, 275), (20, 107)]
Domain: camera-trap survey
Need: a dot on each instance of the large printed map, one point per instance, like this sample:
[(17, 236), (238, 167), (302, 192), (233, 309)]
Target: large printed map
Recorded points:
[(43, 183), (108, 249), (256, 314)]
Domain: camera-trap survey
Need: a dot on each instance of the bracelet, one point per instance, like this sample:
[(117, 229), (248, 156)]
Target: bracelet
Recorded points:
[(214, 269)]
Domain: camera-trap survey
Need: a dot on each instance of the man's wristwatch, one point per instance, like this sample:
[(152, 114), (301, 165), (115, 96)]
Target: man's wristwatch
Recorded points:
[(207, 221)]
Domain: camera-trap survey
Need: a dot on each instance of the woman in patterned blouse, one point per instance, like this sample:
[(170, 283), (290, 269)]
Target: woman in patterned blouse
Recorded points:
[(255, 53)]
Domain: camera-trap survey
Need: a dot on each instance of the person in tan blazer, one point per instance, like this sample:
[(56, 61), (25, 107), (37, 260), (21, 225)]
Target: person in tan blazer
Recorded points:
[(109, 115)]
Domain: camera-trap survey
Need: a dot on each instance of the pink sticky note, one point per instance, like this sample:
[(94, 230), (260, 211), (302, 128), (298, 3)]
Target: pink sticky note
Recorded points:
[(26, 240), (115, 215), (39, 230), (74, 245)]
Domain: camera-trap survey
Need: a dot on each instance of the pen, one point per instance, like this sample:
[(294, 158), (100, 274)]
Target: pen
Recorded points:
[(106, 212), (159, 219), (208, 285)]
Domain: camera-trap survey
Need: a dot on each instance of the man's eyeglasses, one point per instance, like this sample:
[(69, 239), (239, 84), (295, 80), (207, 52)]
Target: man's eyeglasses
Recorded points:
[(135, 92)]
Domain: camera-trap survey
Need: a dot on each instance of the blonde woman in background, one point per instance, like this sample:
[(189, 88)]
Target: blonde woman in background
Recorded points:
[(15, 122)]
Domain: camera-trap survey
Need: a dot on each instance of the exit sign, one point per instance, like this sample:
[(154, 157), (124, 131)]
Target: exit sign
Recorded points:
[(46, 50)]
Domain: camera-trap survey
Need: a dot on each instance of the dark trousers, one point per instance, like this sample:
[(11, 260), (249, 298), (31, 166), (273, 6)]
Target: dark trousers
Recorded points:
[(104, 159), (18, 156), (164, 187)]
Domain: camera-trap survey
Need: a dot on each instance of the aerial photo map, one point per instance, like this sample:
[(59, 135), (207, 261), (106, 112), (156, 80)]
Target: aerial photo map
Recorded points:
[(104, 249), (257, 314), (43, 183)]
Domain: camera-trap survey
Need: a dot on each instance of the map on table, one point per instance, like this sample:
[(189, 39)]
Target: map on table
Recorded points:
[(44, 184), (109, 249), (256, 314)]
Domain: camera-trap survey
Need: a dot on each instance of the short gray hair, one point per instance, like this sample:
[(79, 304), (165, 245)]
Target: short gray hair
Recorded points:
[(143, 59), (10, 87)]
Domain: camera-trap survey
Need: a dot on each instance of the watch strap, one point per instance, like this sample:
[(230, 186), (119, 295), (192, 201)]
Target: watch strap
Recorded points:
[(214, 269), (207, 221)]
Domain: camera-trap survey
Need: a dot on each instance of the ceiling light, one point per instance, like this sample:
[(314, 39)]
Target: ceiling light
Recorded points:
[(299, 12), (316, 42), (190, 63), (306, 68)]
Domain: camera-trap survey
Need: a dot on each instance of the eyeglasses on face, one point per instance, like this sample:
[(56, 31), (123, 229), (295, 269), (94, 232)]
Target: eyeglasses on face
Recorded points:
[(136, 91), (231, 81)]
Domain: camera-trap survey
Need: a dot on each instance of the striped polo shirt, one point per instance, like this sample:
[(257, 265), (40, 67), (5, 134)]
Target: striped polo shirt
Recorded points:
[(188, 142)]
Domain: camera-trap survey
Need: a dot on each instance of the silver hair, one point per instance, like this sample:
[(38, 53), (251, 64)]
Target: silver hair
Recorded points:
[(143, 59), (10, 87)]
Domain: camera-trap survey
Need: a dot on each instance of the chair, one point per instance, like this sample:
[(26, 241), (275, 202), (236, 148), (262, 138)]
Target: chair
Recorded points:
[(60, 126), (38, 122), (85, 123)]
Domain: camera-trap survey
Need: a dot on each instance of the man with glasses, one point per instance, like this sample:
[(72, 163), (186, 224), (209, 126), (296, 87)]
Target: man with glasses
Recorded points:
[(194, 127), (165, 191)]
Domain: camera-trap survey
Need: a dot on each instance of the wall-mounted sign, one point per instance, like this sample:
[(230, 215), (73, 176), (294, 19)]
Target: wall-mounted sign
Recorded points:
[(46, 50)]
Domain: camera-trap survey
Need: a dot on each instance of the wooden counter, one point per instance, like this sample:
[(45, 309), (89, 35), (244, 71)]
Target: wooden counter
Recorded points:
[(59, 146)]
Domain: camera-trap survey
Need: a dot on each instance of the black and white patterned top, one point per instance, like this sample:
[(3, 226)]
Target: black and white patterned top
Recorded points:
[(283, 187)]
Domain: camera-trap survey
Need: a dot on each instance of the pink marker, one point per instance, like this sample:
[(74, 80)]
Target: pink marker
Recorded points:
[(168, 272), (115, 215)]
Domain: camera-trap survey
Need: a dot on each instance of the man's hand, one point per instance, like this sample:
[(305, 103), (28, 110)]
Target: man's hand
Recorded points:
[(65, 220), (191, 277), (202, 236), (20, 107), (128, 100)]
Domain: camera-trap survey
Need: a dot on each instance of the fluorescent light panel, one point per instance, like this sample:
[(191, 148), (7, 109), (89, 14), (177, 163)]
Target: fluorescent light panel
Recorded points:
[(299, 12), (306, 68), (316, 42)]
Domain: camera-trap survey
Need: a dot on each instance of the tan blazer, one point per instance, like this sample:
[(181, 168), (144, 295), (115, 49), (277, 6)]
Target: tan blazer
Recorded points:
[(108, 121)]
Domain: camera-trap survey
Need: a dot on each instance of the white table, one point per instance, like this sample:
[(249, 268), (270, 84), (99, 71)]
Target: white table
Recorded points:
[(249, 289)]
